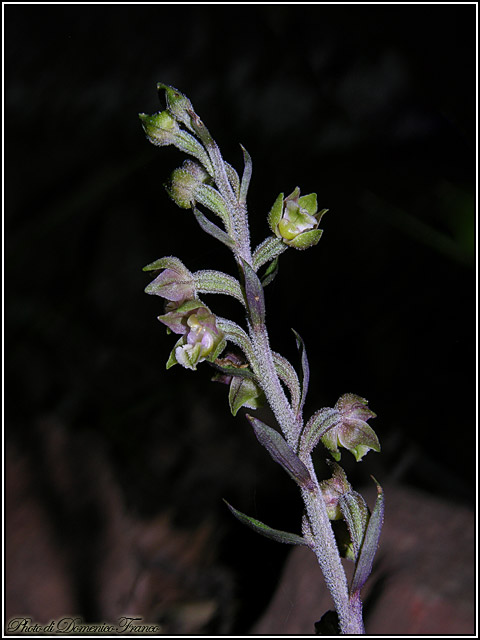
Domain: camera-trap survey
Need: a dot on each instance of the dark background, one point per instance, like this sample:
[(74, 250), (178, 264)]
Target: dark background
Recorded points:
[(373, 108)]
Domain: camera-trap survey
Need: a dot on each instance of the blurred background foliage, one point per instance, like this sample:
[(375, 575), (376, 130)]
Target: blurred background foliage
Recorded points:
[(372, 107)]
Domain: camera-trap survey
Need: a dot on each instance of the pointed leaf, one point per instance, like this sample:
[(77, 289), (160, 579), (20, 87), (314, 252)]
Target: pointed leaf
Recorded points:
[(169, 262), (233, 178), (188, 144), (210, 281), (270, 273), (237, 336), (317, 427), (247, 174), (253, 294), (305, 369), (264, 530), (220, 168), (355, 512), (370, 543), (212, 229), (268, 250), (288, 376), (281, 453), (212, 200)]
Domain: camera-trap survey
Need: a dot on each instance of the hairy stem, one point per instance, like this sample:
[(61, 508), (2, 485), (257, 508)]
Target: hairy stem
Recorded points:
[(270, 383), (325, 548)]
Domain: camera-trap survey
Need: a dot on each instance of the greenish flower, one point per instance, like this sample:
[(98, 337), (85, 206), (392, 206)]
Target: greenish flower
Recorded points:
[(351, 430), (201, 338), (295, 219)]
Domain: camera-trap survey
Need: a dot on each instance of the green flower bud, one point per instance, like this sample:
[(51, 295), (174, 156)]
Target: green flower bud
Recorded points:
[(295, 219), (178, 104), (351, 430), (161, 128), (185, 182)]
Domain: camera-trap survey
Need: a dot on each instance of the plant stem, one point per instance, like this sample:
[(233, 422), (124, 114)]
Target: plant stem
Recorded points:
[(324, 543), (324, 547), (270, 383)]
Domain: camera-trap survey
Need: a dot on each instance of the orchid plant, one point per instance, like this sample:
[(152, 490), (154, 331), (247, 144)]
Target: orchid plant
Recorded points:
[(244, 360)]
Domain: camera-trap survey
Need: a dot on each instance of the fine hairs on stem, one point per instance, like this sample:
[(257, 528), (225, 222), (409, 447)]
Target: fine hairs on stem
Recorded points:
[(244, 361)]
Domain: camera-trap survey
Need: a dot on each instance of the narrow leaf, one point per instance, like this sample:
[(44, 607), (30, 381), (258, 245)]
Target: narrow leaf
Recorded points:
[(268, 250), (355, 513), (169, 262), (253, 294), (210, 281), (188, 144), (316, 427), (288, 375), (211, 228), (220, 171), (247, 174), (370, 543), (281, 452), (270, 273), (264, 530), (305, 369), (237, 336), (212, 200), (233, 178)]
